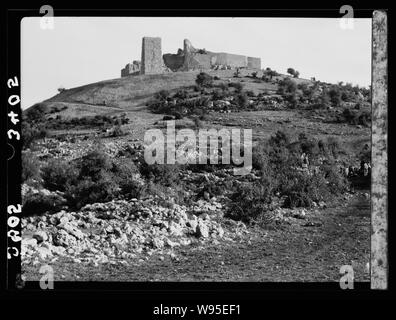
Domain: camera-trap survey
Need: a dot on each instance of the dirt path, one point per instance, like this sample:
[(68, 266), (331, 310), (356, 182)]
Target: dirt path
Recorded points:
[(311, 249)]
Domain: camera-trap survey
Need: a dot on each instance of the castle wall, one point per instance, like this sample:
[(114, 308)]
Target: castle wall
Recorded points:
[(152, 62), (197, 61), (233, 60), (131, 69), (173, 61), (254, 63), (190, 58)]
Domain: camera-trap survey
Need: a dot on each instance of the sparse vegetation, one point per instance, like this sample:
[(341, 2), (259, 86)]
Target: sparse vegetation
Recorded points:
[(30, 166), (204, 80)]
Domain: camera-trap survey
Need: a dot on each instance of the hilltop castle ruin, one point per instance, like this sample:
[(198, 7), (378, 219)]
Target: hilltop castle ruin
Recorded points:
[(186, 59)]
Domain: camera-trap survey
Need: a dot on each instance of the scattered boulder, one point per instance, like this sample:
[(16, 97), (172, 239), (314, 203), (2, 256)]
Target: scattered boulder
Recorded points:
[(202, 230), (63, 238), (40, 236)]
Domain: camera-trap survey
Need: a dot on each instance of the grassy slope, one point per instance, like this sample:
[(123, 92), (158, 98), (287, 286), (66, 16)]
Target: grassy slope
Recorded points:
[(131, 93)]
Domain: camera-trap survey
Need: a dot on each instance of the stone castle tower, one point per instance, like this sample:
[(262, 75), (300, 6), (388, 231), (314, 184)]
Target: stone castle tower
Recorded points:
[(152, 62)]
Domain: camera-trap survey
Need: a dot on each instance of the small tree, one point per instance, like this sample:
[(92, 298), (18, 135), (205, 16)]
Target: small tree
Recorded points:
[(270, 73), (335, 95), (291, 71)]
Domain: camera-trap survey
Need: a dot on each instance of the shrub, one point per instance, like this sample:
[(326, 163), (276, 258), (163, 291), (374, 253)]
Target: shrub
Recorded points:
[(162, 95), (32, 132), (30, 166), (250, 93), (88, 190), (287, 86), (242, 100), (218, 95), (93, 164), (337, 183), (260, 159), (165, 174), (181, 94), (167, 196), (58, 174), (237, 85), (125, 172), (279, 160), (223, 86), (93, 178), (38, 203), (117, 131), (322, 101), (36, 113), (96, 181), (301, 189), (307, 146), (250, 201), (291, 71), (335, 95), (204, 80), (279, 139)]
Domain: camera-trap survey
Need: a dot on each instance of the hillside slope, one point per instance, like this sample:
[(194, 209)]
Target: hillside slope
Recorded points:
[(132, 93)]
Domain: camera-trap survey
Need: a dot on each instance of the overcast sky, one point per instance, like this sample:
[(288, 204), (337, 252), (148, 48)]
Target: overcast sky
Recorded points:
[(80, 51)]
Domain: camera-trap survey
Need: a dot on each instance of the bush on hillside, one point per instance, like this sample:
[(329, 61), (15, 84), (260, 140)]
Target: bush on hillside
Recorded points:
[(165, 174), (30, 166), (204, 80), (236, 85), (39, 203), (58, 174), (250, 201)]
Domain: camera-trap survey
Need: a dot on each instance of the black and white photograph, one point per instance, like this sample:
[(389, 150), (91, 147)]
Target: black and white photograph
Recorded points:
[(196, 149)]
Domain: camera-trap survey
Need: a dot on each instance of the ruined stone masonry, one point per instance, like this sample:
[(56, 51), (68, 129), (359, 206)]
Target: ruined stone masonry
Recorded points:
[(186, 59), (131, 69)]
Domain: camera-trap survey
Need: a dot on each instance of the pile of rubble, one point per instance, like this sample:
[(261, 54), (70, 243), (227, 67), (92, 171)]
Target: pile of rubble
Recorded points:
[(53, 148), (124, 231)]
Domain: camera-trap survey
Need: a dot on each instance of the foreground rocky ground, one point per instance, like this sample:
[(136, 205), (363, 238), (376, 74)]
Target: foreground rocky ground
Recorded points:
[(133, 241)]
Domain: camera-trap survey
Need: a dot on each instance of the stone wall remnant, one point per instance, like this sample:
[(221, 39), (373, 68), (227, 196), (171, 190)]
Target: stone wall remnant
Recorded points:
[(253, 63), (131, 69)]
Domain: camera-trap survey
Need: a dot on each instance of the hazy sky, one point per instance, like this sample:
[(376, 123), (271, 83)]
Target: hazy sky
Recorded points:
[(80, 51)]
